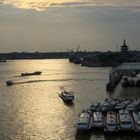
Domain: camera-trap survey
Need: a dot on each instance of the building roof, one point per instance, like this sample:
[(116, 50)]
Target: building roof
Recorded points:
[(129, 66)]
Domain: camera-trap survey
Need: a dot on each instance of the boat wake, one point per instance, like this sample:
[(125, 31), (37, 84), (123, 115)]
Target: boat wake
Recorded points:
[(56, 80)]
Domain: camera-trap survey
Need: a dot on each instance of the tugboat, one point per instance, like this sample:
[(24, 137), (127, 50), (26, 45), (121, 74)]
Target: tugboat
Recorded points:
[(85, 121), (67, 96), (32, 73)]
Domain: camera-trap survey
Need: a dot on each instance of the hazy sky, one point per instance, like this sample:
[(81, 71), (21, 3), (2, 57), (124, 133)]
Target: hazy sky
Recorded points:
[(59, 25)]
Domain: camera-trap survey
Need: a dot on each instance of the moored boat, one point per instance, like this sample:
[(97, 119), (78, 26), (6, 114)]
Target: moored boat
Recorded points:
[(136, 118), (125, 121), (111, 122), (105, 106), (122, 104), (133, 106), (94, 106), (98, 120), (85, 121)]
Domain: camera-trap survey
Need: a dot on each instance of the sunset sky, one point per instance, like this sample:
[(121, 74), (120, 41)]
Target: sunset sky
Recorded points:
[(59, 25)]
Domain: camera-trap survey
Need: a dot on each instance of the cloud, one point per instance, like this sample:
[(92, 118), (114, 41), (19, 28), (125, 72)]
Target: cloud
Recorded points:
[(43, 4)]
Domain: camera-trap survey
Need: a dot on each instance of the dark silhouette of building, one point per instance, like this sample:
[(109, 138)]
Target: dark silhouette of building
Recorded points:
[(124, 47)]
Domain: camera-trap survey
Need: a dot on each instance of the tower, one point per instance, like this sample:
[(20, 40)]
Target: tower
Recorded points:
[(124, 47)]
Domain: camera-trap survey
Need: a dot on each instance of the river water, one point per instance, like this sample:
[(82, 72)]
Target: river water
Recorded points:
[(33, 110)]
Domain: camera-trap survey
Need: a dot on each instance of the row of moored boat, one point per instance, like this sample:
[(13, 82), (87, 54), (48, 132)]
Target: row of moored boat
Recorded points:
[(111, 119)]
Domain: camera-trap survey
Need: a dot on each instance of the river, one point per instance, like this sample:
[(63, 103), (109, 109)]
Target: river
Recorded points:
[(33, 110)]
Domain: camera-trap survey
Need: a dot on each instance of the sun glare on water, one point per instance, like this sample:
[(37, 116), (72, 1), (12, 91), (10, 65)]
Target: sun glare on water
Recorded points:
[(41, 4)]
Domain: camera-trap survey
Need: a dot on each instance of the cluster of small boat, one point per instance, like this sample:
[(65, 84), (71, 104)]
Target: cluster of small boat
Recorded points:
[(111, 115), (130, 82)]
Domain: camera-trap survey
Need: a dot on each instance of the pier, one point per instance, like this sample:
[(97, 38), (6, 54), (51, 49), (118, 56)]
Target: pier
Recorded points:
[(115, 76)]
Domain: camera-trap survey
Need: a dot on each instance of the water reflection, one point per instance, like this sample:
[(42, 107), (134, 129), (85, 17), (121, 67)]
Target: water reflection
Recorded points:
[(40, 4), (83, 135), (43, 4), (33, 109)]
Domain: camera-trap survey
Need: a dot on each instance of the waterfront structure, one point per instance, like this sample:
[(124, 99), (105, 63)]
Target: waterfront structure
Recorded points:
[(109, 58), (116, 74), (124, 47)]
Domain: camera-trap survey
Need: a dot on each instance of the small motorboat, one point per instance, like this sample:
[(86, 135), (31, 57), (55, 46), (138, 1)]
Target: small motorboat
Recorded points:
[(85, 121), (67, 96), (9, 83), (32, 73)]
